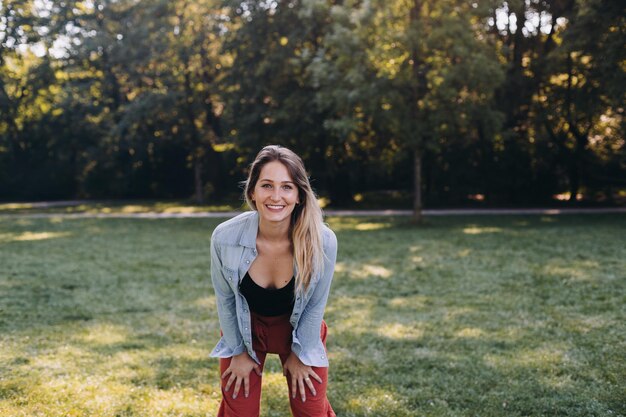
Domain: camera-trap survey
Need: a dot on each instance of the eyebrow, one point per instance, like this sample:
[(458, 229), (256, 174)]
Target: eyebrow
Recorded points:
[(282, 182)]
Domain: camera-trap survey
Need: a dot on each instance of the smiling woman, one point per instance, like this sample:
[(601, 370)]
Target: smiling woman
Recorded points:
[(271, 270)]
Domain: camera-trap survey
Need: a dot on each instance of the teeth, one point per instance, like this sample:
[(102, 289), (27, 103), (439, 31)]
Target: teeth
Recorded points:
[(275, 207)]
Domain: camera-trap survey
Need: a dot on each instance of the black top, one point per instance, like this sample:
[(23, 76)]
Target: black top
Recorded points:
[(265, 301)]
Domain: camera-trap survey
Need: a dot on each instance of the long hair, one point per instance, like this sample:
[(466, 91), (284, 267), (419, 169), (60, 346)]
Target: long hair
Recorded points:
[(305, 231)]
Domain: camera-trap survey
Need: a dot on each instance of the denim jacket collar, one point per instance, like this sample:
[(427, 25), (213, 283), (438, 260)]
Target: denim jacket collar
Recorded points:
[(248, 237)]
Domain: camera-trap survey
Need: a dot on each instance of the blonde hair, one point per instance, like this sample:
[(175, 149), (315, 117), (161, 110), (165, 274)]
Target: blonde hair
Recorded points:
[(305, 231)]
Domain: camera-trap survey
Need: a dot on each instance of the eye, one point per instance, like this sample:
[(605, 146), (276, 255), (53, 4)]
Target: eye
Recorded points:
[(287, 187), (266, 186)]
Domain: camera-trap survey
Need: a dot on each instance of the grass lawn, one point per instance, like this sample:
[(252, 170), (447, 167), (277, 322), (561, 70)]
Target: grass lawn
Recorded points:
[(467, 316), (119, 207)]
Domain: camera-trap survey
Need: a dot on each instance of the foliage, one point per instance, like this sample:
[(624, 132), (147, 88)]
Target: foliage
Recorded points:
[(512, 101)]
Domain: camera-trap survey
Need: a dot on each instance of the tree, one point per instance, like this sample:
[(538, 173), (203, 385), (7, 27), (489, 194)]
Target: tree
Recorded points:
[(424, 77), (581, 99)]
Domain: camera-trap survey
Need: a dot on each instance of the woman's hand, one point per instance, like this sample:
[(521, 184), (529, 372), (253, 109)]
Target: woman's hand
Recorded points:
[(239, 370), (301, 375)]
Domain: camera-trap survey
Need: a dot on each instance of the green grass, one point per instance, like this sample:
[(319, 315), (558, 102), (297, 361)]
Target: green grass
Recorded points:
[(467, 316), (118, 207)]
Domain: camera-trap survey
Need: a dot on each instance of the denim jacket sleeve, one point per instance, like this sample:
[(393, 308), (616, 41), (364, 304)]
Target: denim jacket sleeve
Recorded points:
[(226, 305), (306, 340)]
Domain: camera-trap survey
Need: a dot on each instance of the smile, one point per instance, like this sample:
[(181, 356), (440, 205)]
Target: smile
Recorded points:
[(274, 207)]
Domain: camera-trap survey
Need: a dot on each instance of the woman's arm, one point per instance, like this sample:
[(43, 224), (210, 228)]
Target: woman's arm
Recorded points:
[(226, 308), (307, 344)]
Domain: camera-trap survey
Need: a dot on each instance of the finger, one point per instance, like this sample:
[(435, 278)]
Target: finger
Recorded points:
[(230, 382), (294, 386), (316, 377), (226, 372), (309, 383), (246, 387), (258, 370), (301, 387), (237, 387)]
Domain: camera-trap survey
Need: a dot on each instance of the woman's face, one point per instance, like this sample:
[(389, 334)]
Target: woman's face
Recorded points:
[(275, 194)]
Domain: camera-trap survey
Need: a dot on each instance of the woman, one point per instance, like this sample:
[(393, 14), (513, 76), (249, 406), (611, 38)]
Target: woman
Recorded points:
[(271, 270)]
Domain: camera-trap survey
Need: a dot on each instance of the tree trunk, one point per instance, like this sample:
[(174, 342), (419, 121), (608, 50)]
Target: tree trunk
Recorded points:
[(574, 181), (197, 174), (581, 137), (417, 192), (419, 91)]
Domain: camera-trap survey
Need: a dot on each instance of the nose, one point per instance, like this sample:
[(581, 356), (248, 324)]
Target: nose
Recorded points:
[(275, 195)]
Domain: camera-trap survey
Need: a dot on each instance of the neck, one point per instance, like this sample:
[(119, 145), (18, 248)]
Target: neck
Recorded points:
[(274, 231)]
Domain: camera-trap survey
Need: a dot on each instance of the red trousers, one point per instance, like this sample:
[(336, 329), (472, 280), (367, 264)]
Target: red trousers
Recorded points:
[(273, 335)]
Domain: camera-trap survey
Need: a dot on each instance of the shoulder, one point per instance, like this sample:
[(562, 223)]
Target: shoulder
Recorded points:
[(231, 230), (329, 240)]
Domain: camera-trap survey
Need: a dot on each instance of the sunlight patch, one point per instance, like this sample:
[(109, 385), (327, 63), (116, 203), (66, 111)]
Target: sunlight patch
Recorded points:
[(578, 270), (414, 302), (470, 332), (106, 335), (589, 323), (557, 381), (475, 230), (356, 313), (566, 272), (417, 260), (371, 226), (185, 401), (182, 209), (30, 236), (540, 358), (133, 209), (452, 313), (26, 236), (354, 325), (376, 402), (205, 302), (369, 270), (15, 206), (276, 382), (399, 331)]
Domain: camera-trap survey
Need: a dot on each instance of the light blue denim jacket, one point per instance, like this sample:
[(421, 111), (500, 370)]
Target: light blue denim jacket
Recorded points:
[(233, 249)]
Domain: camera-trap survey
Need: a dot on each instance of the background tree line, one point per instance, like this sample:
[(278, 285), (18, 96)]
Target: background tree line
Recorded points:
[(510, 102)]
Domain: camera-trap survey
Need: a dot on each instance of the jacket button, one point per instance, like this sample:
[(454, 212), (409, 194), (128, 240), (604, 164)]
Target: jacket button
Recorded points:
[(247, 262), (322, 356)]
